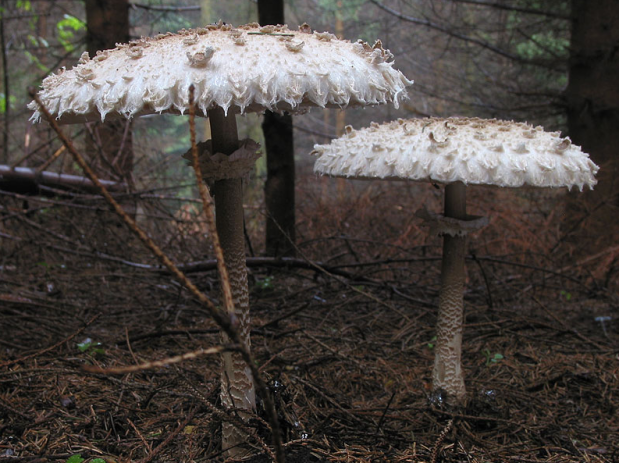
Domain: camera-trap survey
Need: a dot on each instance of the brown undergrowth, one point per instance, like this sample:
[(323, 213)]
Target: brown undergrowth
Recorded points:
[(348, 352)]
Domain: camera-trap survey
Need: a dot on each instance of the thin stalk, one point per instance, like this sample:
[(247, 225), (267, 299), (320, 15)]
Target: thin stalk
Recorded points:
[(447, 373)]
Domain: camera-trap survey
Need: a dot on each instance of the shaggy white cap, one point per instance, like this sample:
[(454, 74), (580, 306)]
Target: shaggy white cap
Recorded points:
[(244, 69), (470, 150)]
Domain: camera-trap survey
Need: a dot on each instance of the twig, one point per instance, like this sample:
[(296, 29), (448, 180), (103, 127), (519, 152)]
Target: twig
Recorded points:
[(207, 265), (475, 418), (144, 442), (387, 407), (162, 362), (52, 158), (39, 353), (171, 436), (566, 327), (6, 406), (129, 345), (165, 8), (328, 399), (486, 280), (333, 276), (440, 439)]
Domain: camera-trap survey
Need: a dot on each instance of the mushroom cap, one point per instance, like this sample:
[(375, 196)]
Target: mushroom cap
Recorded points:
[(244, 69), (469, 150)]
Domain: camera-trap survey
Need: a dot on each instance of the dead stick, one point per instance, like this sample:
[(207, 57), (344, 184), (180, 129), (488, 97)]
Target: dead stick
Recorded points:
[(338, 279), (144, 442), (160, 363), (170, 437)]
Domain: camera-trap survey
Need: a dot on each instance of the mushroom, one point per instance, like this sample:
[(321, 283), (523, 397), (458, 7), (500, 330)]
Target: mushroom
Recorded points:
[(233, 70), (456, 152)]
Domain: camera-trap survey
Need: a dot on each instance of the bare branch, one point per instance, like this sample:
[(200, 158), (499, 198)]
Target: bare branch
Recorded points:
[(30, 178), (501, 6), (175, 9), (464, 38)]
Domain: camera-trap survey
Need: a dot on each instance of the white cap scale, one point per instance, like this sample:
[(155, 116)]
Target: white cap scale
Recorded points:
[(244, 69), (469, 150)]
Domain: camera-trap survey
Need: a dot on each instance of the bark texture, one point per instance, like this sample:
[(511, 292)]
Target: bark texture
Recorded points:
[(592, 106), (279, 148), (280, 184), (107, 23)]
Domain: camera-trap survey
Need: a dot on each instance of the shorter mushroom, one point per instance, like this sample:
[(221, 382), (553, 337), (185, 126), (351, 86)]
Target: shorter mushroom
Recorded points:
[(456, 152)]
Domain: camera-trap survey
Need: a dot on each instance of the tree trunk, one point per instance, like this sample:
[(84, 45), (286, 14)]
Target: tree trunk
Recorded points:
[(280, 183), (592, 99), (107, 23)]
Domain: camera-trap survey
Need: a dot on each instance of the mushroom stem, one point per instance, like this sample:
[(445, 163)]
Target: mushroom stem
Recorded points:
[(237, 382), (447, 372)]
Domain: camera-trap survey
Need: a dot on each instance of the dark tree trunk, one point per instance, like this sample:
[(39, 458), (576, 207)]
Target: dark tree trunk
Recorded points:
[(592, 98), (280, 183), (107, 23)]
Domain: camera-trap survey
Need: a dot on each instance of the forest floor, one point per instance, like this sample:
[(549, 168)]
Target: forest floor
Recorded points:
[(350, 345)]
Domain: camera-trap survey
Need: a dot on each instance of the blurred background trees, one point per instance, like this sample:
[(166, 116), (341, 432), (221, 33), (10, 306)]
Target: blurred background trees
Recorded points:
[(549, 62)]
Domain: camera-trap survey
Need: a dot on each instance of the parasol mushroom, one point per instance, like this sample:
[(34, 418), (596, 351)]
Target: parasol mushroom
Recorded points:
[(456, 152), (234, 70)]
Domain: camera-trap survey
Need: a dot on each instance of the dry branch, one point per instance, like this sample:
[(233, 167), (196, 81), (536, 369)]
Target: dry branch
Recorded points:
[(29, 180)]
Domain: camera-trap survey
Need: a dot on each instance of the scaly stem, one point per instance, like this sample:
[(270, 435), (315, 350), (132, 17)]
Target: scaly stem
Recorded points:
[(237, 382), (447, 373)]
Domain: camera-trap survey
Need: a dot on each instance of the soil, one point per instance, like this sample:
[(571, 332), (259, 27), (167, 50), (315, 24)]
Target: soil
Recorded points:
[(347, 347)]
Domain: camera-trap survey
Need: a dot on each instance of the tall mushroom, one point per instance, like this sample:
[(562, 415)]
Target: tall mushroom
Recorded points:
[(456, 152), (234, 70)]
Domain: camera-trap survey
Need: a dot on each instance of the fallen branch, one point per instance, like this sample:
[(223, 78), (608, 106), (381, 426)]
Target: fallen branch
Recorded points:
[(161, 362), (29, 181), (209, 265)]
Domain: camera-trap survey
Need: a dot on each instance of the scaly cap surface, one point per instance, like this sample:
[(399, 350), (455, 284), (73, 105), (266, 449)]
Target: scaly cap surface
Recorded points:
[(244, 69), (470, 150)]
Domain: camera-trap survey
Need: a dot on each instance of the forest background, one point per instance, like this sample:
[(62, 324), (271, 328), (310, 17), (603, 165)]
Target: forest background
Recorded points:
[(549, 63), (353, 342)]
